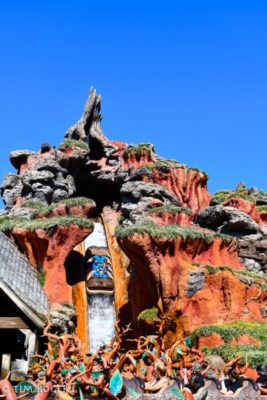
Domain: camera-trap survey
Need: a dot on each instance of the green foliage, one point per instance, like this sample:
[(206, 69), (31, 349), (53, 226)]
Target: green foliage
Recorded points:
[(73, 143), (171, 209), (256, 355), (228, 331), (224, 195), (46, 224), (225, 191), (262, 208), (41, 277), (139, 148), (120, 219), (244, 196), (36, 205), (166, 164), (220, 198), (75, 201), (170, 232), (213, 270), (44, 210), (158, 165), (7, 224), (233, 330), (149, 314)]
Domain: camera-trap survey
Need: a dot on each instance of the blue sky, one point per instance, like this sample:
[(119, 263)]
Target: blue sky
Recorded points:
[(188, 76)]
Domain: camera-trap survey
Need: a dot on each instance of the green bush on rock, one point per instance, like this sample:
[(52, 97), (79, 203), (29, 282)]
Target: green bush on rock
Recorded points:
[(71, 143), (7, 224), (170, 232), (234, 330)]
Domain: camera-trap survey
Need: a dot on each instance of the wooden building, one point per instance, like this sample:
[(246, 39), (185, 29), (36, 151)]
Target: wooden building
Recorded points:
[(23, 304)]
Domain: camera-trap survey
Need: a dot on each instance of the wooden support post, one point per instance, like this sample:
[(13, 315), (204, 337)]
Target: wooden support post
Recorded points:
[(5, 365)]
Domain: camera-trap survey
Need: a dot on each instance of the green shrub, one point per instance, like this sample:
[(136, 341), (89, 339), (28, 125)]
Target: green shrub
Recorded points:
[(262, 208), (41, 277), (220, 198), (224, 195), (75, 201), (73, 143), (171, 209), (243, 196), (233, 330), (139, 148), (149, 314), (256, 355), (120, 219)]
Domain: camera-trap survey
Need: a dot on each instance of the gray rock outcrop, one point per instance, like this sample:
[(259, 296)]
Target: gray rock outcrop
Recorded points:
[(228, 220), (195, 282), (19, 157), (137, 197)]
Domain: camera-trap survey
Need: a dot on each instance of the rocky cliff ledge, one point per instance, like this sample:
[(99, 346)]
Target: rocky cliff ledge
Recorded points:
[(199, 259)]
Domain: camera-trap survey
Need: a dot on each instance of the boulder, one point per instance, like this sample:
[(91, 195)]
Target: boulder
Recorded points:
[(49, 164), (228, 220), (8, 189), (9, 181), (252, 265), (19, 157), (195, 282), (135, 191)]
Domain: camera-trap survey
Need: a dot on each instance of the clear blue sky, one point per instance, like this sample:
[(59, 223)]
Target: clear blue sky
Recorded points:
[(189, 76)]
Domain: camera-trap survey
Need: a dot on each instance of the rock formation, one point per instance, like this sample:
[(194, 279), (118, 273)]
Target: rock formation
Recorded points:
[(200, 259)]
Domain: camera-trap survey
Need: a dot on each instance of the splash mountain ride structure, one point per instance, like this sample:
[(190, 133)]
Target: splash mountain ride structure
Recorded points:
[(113, 230)]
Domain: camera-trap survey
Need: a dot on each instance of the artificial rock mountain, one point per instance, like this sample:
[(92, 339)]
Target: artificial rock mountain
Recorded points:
[(199, 259)]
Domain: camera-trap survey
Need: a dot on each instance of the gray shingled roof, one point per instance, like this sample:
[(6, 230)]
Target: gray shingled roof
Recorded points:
[(20, 277)]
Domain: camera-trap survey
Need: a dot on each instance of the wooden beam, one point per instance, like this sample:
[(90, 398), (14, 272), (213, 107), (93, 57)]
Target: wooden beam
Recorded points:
[(12, 323)]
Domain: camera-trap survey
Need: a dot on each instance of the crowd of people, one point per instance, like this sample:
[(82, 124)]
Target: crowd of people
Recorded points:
[(147, 367)]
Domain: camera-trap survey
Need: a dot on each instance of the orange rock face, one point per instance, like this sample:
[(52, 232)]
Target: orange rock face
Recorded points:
[(188, 185), (169, 264), (245, 339), (216, 340), (136, 160), (50, 248), (210, 341), (51, 251)]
